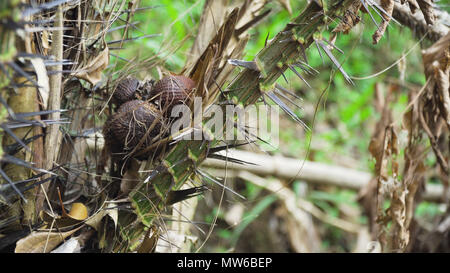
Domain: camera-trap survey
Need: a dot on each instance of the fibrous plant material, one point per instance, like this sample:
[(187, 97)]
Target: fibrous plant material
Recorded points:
[(387, 184), (350, 18), (426, 6), (435, 102), (427, 116), (423, 23), (416, 22)]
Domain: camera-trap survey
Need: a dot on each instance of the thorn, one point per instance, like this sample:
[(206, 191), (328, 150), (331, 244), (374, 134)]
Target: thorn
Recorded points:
[(285, 108), (372, 4), (14, 148), (230, 159), (267, 39), (302, 48), (333, 46), (122, 26), (246, 64), (306, 67), (335, 62), (3, 174), (284, 76), (19, 70), (181, 195), (8, 109), (132, 39), (33, 9), (288, 99), (120, 58), (203, 174), (14, 160), (11, 133), (229, 146), (19, 123), (299, 75), (40, 113), (367, 8), (287, 91), (140, 9), (318, 49)]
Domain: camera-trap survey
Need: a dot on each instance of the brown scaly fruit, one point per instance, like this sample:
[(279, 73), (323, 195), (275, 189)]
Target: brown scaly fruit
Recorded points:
[(126, 90), (125, 129), (172, 90)]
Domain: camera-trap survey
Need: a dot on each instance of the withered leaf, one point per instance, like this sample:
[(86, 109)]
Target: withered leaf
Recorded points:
[(397, 211), (41, 241), (388, 6), (413, 6), (150, 240), (350, 19), (95, 220), (42, 79), (426, 6), (217, 45), (92, 70)]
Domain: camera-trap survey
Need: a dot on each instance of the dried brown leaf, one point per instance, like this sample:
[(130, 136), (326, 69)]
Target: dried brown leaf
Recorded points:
[(205, 71), (249, 11), (437, 52), (397, 210), (219, 42), (96, 219), (212, 17), (92, 70), (388, 6), (42, 79), (387, 184), (41, 241), (413, 6), (377, 141), (413, 176), (45, 43), (59, 221), (350, 19), (226, 69), (150, 240), (443, 87), (426, 6), (434, 108)]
